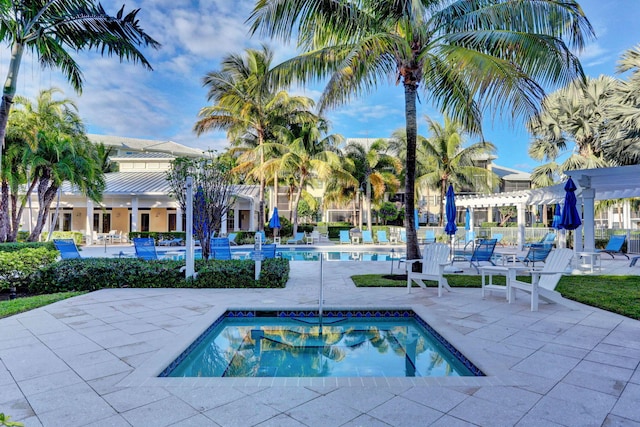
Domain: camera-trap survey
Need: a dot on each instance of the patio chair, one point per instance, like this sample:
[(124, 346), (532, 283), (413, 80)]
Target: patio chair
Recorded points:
[(537, 253), (403, 236), (344, 237), (544, 282), (382, 237), (469, 240), (367, 238), (434, 259), (220, 248), (67, 248), (483, 252), (548, 239), (145, 248), (429, 237), (269, 250), (498, 237), (171, 242), (297, 239), (232, 239), (634, 260), (614, 245)]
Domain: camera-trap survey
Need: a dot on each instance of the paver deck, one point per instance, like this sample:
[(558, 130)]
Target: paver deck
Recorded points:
[(93, 360)]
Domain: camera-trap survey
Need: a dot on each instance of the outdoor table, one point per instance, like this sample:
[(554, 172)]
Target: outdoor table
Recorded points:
[(509, 272), (589, 261)]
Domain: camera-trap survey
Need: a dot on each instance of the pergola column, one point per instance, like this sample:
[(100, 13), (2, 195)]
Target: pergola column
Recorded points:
[(179, 214), (588, 197), (134, 214), (88, 224), (521, 224)]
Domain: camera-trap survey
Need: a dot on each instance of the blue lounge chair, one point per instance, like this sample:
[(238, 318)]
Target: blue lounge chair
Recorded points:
[(367, 238), (614, 245), (232, 238), (344, 237), (220, 248), (382, 237), (548, 239), (145, 248), (483, 252), (403, 236), (67, 248), (297, 239), (429, 237), (537, 253), (498, 238), (269, 250)]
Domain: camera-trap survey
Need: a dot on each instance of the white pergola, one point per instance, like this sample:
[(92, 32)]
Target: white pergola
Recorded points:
[(593, 184)]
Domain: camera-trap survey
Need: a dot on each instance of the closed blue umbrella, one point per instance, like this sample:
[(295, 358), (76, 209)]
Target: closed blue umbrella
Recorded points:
[(557, 218), (570, 218), (274, 222), (450, 211), (416, 218)]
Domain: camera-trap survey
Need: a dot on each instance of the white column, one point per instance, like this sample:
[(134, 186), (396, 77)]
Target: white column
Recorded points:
[(223, 225), (471, 224), (236, 218), (588, 196), (89, 222), (134, 214), (179, 214), (252, 216), (626, 212), (521, 224)]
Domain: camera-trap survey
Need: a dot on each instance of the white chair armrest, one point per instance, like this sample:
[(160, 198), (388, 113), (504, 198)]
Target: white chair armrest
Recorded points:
[(412, 261)]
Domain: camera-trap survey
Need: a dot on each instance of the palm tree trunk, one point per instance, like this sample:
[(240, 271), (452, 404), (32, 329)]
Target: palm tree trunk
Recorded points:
[(369, 224), (8, 92), (4, 211), (410, 95), (295, 204)]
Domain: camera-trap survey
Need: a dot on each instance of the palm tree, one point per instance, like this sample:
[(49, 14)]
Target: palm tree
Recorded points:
[(449, 162), (572, 119), (248, 109), (51, 28), (376, 170), (623, 144), (462, 54), (309, 153), (62, 152)]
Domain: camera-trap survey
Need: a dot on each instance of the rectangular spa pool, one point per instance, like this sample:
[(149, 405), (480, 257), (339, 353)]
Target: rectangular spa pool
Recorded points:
[(379, 343)]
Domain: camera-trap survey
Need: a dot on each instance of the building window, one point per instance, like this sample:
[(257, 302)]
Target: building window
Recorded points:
[(144, 222)]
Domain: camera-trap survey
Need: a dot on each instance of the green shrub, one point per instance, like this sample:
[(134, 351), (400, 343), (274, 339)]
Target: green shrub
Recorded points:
[(75, 235), (17, 267), (18, 246), (157, 235), (274, 273)]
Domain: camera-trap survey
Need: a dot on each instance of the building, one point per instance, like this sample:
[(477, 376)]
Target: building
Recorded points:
[(136, 198)]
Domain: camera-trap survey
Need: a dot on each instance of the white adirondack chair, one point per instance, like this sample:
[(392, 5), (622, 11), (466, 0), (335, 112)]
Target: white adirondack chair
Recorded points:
[(434, 258), (544, 282)]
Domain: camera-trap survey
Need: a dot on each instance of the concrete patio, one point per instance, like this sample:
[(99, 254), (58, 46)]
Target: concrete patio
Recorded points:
[(93, 360)]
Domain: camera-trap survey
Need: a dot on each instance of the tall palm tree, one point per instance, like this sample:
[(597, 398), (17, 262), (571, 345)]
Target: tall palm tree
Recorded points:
[(51, 29), (462, 54), (246, 107), (449, 161), (572, 120), (376, 170)]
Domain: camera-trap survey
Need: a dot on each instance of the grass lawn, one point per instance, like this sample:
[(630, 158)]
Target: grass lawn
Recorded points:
[(19, 305), (618, 294)]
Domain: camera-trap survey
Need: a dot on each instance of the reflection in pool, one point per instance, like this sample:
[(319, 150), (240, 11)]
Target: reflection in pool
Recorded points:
[(392, 343)]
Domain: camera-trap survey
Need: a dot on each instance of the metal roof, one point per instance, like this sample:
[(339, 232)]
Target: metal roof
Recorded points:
[(151, 184), (142, 145)]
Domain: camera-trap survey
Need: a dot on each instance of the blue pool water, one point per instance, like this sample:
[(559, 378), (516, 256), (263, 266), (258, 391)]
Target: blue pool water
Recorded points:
[(392, 343), (307, 254)]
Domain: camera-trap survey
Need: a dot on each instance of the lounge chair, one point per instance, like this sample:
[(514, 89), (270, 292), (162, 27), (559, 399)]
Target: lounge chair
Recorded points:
[(232, 239), (220, 248), (171, 242), (498, 238), (67, 248), (344, 237), (544, 282), (548, 239), (434, 259), (469, 240), (483, 252), (145, 248), (382, 237), (429, 237), (403, 236), (298, 239), (314, 237), (367, 238), (614, 245), (537, 253), (269, 250)]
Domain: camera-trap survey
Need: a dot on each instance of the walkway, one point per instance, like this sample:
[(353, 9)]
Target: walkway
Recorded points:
[(92, 361)]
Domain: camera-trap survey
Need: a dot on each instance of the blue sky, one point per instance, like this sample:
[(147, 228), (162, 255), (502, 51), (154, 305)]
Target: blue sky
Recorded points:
[(126, 100)]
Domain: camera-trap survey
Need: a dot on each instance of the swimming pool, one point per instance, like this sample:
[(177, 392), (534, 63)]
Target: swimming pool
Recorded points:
[(366, 343)]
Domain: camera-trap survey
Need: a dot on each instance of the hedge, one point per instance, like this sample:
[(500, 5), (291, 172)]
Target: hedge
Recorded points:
[(18, 246), (90, 274), (17, 267)]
